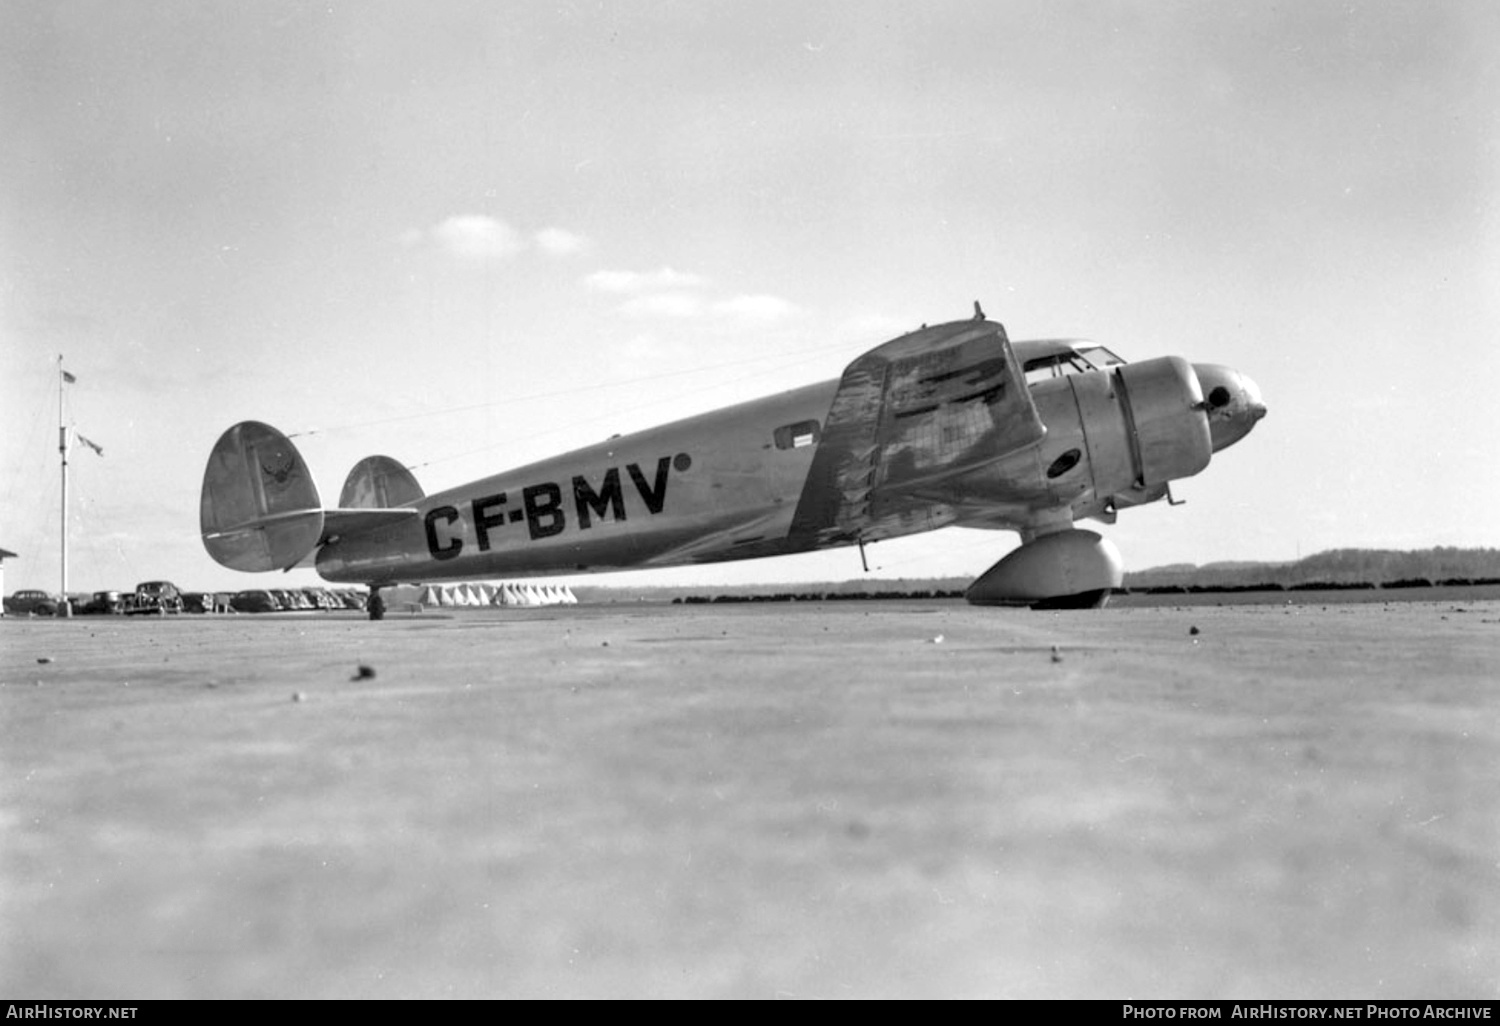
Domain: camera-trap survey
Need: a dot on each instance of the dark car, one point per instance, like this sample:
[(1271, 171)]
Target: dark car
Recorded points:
[(103, 603), (158, 597), (256, 600), (196, 602), (31, 602)]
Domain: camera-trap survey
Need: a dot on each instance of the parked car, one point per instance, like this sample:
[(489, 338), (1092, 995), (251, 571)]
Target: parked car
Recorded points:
[(158, 597), (31, 602), (256, 600), (103, 603), (196, 602), (292, 598), (322, 598)]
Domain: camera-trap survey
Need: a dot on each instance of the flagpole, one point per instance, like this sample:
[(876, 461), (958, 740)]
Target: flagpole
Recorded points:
[(63, 608)]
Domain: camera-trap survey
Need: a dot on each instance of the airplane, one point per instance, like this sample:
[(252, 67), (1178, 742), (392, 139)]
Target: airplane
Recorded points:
[(946, 425)]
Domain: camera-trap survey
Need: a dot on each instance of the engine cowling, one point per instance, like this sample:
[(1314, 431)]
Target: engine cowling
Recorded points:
[(1166, 428)]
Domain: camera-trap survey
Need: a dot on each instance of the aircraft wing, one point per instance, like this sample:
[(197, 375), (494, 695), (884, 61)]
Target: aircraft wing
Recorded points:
[(926, 407)]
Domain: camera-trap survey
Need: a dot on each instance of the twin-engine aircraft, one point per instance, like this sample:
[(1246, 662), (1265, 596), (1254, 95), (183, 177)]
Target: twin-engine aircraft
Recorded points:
[(947, 425)]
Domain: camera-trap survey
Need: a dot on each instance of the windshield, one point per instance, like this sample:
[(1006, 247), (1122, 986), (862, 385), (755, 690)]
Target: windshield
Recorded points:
[(1070, 360), (1098, 357)]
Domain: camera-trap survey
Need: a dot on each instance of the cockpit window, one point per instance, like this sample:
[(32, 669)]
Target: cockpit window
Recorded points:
[(1099, 357), (1055, 366), (1071, 361), (796, 436)]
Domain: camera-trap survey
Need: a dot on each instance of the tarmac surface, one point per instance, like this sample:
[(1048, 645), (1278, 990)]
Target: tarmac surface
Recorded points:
[(825, 800)]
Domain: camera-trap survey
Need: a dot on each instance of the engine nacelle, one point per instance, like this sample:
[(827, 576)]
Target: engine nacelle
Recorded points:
[(1167, 430), (1071, 569)]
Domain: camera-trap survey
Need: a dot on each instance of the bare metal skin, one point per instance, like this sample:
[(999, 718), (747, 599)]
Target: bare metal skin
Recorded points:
[(948, 425)]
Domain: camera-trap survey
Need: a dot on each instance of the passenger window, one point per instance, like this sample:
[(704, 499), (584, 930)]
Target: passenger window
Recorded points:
[(798, 435)]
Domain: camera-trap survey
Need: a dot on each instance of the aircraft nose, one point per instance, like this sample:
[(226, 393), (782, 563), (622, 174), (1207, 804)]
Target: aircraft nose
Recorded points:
[(1232, 402)]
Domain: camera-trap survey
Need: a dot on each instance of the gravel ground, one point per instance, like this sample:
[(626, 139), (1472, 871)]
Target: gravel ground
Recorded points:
[(894, 799)]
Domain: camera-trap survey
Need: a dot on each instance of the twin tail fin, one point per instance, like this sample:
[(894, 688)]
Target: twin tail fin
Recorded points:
[(260, 508)]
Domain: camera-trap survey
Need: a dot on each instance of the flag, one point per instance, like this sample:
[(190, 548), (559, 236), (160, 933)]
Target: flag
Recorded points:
[(70, 379), (92, 445)]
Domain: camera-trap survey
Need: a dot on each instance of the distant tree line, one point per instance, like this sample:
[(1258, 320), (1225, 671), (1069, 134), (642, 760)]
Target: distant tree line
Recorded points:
[(1334, 569)]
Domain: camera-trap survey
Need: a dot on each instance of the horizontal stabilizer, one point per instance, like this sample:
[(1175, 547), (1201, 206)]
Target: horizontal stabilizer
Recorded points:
[(339, 523)]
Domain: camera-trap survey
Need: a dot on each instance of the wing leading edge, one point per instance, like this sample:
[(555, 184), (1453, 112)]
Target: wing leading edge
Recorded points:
[(923, 408)]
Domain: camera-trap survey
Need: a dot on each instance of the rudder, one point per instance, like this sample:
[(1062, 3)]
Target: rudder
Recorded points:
[(379, 482)]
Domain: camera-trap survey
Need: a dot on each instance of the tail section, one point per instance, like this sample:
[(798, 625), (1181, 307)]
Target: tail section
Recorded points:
[(260, 507)]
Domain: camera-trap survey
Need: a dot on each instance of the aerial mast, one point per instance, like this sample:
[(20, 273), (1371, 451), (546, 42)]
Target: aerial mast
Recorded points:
[(63, 378)]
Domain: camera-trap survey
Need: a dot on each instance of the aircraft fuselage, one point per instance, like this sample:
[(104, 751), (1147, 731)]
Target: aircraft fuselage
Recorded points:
[(708, 488), (945, 425), (726, 485)]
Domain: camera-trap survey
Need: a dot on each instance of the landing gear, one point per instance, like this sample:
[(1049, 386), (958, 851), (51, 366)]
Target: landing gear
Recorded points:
[(1069, 569), (1083, 600), (375, 605)]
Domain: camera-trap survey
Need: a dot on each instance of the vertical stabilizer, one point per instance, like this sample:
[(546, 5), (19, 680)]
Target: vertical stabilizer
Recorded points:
[(259, 509), (379, 482)]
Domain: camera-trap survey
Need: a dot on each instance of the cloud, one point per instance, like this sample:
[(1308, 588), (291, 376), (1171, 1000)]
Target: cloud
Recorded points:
[(561, 242), (680, 295), (664, 304), (759, 308), (632, 282), (477, 237)]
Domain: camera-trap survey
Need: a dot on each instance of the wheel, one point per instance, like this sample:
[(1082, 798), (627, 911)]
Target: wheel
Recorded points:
[(1083, 600)]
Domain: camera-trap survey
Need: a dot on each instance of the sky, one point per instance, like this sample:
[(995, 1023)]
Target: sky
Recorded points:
[(472, 235)]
